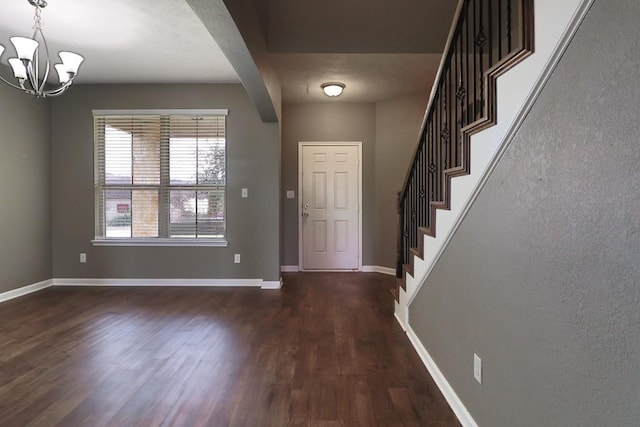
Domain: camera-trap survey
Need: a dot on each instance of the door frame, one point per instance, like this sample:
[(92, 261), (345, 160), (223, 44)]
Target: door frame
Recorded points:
[(358, 145)]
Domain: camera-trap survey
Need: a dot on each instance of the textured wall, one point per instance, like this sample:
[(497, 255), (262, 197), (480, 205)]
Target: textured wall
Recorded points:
[(327, 121), (542, 279), (25, 206), (398, 122), (253, 161)]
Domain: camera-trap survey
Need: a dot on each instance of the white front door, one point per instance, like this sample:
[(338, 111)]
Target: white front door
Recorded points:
[(330, 207)]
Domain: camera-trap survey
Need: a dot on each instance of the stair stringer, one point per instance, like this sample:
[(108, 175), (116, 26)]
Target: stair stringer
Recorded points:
[(555, 24)]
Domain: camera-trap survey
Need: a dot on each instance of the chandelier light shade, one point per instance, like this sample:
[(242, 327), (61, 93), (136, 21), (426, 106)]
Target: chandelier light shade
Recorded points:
[(333, 89), (31, 66)]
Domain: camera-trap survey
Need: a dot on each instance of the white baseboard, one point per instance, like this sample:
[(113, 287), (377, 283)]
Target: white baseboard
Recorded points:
[(15, 293), (275, 284), (378, 269), (395, 314), (289, 268), (454, 401), (161, 282)]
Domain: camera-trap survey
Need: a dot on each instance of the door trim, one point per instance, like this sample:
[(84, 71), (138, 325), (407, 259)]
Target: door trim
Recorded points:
[(358, 145)]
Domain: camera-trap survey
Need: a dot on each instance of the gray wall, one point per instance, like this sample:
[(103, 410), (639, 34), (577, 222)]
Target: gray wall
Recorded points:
[(398, 122), (542, 279), (388, 130), (252, 161), (327, 121), (25, 206)]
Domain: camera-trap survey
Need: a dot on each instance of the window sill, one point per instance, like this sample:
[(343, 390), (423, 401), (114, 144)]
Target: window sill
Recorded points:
[(161, 242)]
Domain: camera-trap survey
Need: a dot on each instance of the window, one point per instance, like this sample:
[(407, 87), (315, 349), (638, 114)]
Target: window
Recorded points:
[(160, 177)]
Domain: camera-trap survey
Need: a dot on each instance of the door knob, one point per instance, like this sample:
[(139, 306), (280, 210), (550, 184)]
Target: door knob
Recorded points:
[(305, 214)]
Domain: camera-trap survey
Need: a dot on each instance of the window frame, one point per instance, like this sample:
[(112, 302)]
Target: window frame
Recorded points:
[(156, 241)]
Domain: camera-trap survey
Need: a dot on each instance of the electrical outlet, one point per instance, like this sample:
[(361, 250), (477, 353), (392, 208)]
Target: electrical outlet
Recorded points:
[(477, 368), (291, 194), (83, 258), (236, 258), (245, 193)]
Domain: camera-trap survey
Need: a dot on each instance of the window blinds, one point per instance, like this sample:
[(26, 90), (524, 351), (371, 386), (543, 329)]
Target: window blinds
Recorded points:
[(160, 176)]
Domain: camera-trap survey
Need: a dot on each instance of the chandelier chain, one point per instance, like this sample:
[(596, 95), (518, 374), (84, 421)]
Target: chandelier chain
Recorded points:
[(37, 19)]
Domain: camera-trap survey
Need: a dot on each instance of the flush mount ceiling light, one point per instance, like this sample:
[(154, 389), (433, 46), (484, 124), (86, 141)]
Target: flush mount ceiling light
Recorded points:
[(28, 63), (332, 89)]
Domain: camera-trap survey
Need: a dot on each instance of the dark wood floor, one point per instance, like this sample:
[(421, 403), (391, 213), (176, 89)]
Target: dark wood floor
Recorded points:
[(324, 351)]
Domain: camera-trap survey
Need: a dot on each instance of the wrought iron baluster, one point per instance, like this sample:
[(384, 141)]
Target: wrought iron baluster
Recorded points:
[(407, 225), (424, 206), (400, 238), (481, 40), (475, 61), (509, 33), (444, 133), (490, 36), (499, 30), (419, 185)]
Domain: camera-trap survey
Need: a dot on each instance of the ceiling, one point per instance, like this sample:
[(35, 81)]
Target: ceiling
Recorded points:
[(124, 41), (379, 49), (368, 77)]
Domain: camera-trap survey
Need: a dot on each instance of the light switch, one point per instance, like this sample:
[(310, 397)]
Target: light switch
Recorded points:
[(245, 193), (291, 194)]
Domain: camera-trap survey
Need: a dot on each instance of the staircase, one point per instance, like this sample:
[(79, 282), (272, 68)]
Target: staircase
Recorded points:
[(487, 39), (471, 118)]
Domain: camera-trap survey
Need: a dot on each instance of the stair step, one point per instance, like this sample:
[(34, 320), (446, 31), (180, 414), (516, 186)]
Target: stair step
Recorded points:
[(408, 268), (401, 282), (416, 252), (396, 293)]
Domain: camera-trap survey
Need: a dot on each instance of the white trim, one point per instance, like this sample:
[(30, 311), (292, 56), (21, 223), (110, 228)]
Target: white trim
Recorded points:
[(397, 316), (25, 290), (454, 401), (173, 112), (160, 242), (357, 144), (275, 284), (289, 268), (378, 269), (160, 282)]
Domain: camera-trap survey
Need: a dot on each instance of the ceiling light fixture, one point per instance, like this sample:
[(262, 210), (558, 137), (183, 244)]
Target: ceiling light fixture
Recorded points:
[(27, 66), (332, 89)]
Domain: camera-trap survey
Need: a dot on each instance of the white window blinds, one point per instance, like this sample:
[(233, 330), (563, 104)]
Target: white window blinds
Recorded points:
[(160, 176)]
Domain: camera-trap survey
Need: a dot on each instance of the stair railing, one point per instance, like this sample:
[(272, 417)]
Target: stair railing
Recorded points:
[(488, 38)]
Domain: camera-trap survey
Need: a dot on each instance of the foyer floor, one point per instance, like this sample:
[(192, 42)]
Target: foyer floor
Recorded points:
[(323, 351)]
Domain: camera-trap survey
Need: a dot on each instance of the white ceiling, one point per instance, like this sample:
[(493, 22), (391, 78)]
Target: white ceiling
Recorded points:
[(164, 41), (124, 41)]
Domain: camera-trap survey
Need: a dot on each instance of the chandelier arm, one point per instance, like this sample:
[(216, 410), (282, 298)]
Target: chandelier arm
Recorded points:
[(58, 91), (48, 67), (30, 74), (11, 84), (29, 91)]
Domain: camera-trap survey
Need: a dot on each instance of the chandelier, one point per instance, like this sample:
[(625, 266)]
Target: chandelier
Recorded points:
[(30, 72)]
